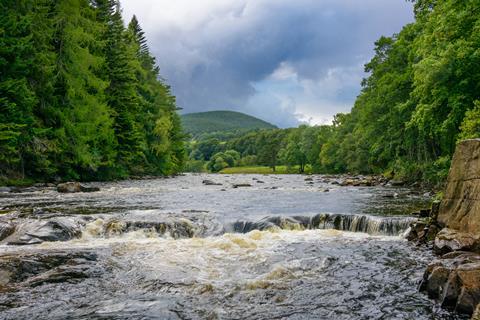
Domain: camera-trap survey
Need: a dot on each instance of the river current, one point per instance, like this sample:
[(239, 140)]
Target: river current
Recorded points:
[(246, 247)]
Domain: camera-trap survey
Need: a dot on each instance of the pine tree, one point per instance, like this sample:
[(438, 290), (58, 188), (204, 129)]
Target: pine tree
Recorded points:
[(85, 133), (122, 96)]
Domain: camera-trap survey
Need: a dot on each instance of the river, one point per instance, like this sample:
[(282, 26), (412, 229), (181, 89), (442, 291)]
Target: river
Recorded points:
[(284, 247)]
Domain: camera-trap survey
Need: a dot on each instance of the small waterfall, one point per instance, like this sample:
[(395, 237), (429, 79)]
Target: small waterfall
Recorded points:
[(391, 226)]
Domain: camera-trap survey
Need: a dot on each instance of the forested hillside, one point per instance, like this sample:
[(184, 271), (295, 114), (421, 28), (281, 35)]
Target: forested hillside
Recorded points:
[(221, 121), (80, 95), (421, 97)]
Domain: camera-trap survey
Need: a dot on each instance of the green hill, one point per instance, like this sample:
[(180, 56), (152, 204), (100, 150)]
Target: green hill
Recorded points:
[(221, 121)]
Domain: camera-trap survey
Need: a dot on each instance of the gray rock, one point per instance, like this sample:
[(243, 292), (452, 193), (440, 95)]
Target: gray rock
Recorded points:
[(58, 229)]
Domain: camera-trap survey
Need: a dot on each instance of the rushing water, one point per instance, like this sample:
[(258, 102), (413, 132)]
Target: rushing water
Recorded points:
[(284, 248)]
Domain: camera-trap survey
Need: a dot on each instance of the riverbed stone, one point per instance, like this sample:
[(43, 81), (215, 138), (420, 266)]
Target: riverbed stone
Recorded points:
[(460, 207), (210, 183), (241, 185)]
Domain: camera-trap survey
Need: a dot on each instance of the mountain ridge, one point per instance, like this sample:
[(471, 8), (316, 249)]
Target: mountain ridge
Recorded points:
[(197, 123)]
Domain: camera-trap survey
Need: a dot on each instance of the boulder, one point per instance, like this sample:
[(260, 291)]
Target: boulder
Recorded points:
[(448, 240), (59, 229), (72, 187), (460, 207), (69, 187)]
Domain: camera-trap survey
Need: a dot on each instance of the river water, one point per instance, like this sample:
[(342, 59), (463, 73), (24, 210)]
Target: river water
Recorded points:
[(282, 248)]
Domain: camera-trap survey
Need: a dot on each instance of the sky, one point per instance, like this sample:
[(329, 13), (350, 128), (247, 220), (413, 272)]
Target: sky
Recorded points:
[(286, 62)]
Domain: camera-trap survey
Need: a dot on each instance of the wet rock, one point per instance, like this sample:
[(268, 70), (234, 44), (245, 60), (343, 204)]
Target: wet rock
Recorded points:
[(6, 229), (73, 187), (417, 231), (53, 230), (260, 181), (448, 240), (241, 185), (454, 281), (34, 269), (308, 179), (460, 207), (211, 183)]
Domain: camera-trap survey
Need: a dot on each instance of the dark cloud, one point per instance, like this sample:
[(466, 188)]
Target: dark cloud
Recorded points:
[(283, 61)]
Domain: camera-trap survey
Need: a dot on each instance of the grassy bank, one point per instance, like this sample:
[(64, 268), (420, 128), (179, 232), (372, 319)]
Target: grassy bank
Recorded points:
[(263, 170)]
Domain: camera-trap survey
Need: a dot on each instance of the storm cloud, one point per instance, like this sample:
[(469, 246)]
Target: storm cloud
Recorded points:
[(283, 61)]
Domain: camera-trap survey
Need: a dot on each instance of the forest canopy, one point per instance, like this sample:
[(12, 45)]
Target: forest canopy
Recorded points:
[(80, 95)]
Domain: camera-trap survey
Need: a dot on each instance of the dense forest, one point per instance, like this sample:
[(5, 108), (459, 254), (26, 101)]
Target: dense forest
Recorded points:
[(420, 98), (81, 96)]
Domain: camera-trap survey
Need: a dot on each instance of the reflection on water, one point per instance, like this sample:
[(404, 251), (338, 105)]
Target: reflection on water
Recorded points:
[(173, 249)]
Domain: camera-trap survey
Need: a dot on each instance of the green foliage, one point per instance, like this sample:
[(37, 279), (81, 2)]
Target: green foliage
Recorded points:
[(197, 124), (470, 127), (80, 95)]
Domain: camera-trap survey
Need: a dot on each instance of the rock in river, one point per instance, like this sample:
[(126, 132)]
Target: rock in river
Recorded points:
[(72, 187), (211, 183), (58, 229)]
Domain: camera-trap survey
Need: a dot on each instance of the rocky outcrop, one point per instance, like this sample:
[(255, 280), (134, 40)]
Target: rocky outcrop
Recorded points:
[(460, 208), (455, 278), (454, 281), (72, 187)]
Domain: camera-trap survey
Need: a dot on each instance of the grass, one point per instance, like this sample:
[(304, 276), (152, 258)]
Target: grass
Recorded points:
[(263, 170)]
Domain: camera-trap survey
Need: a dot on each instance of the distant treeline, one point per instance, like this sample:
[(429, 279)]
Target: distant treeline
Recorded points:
[(421, 97), (80, 95)]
